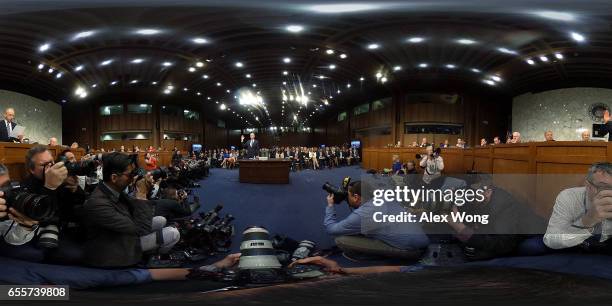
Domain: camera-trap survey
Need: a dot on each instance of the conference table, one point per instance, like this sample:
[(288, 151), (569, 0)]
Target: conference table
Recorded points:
[(270, 171)]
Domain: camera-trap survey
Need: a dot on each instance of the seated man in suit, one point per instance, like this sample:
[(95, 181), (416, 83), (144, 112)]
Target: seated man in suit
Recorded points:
[(7, 125), (251, 146)]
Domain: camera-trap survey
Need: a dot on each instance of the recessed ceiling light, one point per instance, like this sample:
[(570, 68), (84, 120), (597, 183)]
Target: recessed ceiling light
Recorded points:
[(466, 41), (362, 79), (577, 37), (153, 83), (450, 66), (113, 83), (254, 85), (106, 62), (415, 40), (287, 60), (506, 50), (423, 65), (343, 8), (397, 68), (321, 77), (496, 78), (248, 75), (373, 46), (137, 61), (348, 85), (489, 82), (378, 75), (559, 55), (227, 90), (58, 75), (199, 40), (199, 64), (205, 76), (148, 31), (167, 64), (543, 58), (383, 80), (94, 85), (330, 51), (191, 69), (475, 70), (44, 47), (285, 72), (78, 68), (83, 35), (343, 56), (314, 85), (530, 61), (284, 83), (294, 28), (332, 67), (219, 84), (561, 16), (185, 89), (41, 66), (239, 64), (134, 82)]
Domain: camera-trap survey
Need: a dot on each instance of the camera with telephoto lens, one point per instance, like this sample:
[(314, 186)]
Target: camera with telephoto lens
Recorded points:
[(435, 154), (34, 206), (83, 168), (340, 193)]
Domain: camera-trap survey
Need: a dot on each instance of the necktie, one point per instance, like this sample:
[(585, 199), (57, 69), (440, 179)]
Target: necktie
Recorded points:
[(251, 142)]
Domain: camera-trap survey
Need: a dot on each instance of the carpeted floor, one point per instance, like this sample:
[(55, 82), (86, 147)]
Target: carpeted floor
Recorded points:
[(295, 209)]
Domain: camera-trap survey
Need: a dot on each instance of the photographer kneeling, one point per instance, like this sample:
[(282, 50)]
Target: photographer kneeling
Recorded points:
[(120, 228), (360, 241)]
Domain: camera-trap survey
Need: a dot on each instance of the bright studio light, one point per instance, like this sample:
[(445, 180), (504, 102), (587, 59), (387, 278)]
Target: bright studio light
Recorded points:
[(294, 28)]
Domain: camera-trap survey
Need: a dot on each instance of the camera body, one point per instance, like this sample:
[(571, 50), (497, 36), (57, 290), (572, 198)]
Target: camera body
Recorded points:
[(82, 168), (34, 206), (436, 153), (340, 193)]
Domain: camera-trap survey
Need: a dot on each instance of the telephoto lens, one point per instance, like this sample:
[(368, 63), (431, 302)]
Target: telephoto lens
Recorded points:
[(258, 262), (304, 250), (49, 237)]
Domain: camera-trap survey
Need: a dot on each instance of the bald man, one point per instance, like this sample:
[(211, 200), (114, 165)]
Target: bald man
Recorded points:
[(7, 125), (548, 136), (516, 137), (52, 141), (586, 135)]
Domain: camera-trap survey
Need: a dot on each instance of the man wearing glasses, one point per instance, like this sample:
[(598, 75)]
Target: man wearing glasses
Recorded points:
[(582, 216), (121, 228)]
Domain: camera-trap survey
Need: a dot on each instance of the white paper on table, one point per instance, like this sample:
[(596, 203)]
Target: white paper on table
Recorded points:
[(17, 131)]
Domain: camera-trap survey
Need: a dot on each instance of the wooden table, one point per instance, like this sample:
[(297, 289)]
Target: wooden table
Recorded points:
[(271, 171)]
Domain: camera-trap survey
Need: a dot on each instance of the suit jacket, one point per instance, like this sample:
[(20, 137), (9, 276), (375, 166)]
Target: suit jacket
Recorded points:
[(114, 226), (4, 135), (252, 150)]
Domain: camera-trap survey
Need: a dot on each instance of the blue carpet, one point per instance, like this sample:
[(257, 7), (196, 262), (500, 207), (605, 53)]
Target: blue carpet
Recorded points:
[(295, 209)]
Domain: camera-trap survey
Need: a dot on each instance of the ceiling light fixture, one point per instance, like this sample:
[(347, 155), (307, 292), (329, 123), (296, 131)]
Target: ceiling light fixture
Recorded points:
[(332, 67), (287, 60), (450, 66), (342, 8), (106, 62), (507, 51), (559, 55), (397, 68), (530, 61), (137, 61), (543, 58), (239, 64), (415, 40), (41, 66), (577, 37), (83, 35), (167, 64), (147, 31), (199, 40), (553, 15), (199, 64), (78, 68), (466, 41), (475, 70), (373, 46), (343, 56), (294, 28), (329, 51), (44, 47)]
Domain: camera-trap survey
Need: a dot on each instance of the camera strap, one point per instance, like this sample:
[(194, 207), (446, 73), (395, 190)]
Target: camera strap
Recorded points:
[(159, 237)]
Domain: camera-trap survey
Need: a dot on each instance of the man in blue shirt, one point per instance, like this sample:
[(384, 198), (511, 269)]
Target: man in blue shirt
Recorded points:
[(359, 235)]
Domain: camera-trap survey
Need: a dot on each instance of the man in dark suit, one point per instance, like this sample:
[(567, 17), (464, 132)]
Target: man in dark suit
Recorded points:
[(7, 125), (251, 146)]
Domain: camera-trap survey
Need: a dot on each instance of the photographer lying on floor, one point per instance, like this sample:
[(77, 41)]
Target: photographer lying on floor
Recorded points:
[(393, 240)]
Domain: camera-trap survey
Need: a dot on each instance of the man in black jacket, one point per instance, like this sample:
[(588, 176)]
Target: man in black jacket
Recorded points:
[(251, 145), (120, 228), (7, 125)]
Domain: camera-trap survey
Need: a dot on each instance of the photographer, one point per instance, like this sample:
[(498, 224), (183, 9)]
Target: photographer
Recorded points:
[(120, 228), (173, 205), (581, 217), (400, 240), (45, 177), (19, 229), (432, 163)]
